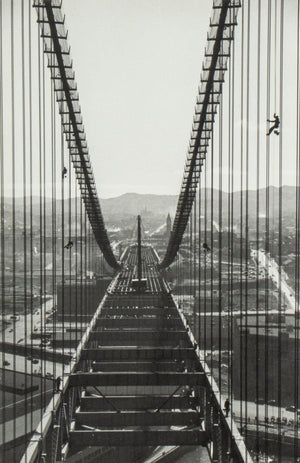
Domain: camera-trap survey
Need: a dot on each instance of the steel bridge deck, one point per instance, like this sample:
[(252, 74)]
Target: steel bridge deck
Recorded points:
[(141, 377), (138, 379)]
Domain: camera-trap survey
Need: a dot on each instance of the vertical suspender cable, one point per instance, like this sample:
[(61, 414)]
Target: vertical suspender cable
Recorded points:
[(241, 346), (228, 257), (194, 262), (257, 347), (232, 245), (40, 128), (45, 224), (76, 288), (247, 200), (71, 249), (13, 223), (204, 207), (281, 63), (267, 207), (230, 318), (54, 202), (211, 245), (61, 308), (202, 322), (85, 263), (296, 449), (220, 243), (191, 258), (81, 267), (24, 232), (2, 235), (30, 147), (195, 258), (229, 264)]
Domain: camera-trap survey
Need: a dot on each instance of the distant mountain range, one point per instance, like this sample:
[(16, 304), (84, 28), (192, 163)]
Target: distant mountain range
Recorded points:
[(144, 204), (134, 203), (131, 204), (115, 210)]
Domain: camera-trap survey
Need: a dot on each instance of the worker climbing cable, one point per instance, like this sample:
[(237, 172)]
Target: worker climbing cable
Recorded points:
[(276, 123), (206, 248), (69, 245)]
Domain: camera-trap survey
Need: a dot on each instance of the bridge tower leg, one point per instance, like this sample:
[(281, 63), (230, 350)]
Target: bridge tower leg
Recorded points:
[(139, 283), (139, 253)]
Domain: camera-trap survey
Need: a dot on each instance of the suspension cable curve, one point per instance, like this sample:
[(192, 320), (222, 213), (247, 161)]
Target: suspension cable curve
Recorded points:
[(57, 49), (217, 52)]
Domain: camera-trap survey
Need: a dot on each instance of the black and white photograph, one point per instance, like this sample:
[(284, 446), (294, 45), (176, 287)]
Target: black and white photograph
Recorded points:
[(150, 231)]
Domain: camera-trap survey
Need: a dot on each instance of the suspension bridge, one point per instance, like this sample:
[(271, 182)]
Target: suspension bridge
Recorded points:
[(113, 349)]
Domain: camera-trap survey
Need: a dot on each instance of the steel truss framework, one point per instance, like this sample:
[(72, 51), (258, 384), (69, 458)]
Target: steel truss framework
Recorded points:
[(159, 382), (217, 53)]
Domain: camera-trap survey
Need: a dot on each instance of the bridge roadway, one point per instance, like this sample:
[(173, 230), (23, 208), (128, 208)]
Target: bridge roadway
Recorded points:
[(139, 379)]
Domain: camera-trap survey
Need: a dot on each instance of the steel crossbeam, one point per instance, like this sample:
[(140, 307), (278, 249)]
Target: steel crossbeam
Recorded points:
[(134, 418), (137, 366), (137, 438), (136, 379), (136, 402), (139, 337), (140, 323), (141, 353)]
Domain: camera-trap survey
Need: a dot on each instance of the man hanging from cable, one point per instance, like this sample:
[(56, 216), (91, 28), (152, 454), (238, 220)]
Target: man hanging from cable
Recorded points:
[(69, 245), (64, 172), (57, 384), (206, 248), (226, 407), (276, 123)]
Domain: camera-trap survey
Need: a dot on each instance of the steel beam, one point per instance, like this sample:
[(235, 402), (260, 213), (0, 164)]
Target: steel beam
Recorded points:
[(137, 438), (141, 322), (138, 312), (142, 353), (137, 366), (136, 379), (137, 402), (140, 338), (133, 418)]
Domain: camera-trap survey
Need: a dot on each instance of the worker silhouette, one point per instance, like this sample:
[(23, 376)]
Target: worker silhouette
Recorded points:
[(64, 172), (206, 248), (69, 245), (276, 123), (226, 407), (57, 384)]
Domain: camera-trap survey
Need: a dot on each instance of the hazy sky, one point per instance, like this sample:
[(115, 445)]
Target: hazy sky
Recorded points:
[(137, 65)]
